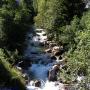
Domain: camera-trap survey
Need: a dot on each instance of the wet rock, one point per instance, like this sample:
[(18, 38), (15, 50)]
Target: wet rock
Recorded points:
[(37, 35), (56, 67), (37, 83), (55, 48), (52, 73), (57, 51), (44, 34), (48, 50), (60, 57)]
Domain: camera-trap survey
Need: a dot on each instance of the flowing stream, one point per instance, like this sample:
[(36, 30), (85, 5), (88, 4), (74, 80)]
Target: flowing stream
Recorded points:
[(42, 62)]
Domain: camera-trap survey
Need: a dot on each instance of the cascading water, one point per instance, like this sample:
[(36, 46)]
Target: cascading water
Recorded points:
[(42, 63)]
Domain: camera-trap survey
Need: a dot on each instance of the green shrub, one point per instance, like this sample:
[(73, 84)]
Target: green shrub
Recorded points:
[(9, 76)]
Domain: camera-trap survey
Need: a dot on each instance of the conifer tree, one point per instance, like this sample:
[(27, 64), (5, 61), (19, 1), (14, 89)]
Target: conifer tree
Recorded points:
[(17, 16)]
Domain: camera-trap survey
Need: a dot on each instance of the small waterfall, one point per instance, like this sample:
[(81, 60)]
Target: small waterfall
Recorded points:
[(42, 62)]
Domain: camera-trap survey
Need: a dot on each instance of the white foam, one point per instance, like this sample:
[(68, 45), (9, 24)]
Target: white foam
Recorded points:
[(48, 86), (53, 86)]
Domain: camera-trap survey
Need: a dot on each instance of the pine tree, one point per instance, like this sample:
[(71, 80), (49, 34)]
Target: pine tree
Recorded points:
[(17, 18), (54, 14)]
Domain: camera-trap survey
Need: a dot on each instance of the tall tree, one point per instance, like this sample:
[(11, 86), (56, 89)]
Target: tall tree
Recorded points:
[(17, 16), (53, 14)]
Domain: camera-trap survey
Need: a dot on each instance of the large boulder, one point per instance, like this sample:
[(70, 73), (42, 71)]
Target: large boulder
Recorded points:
[(52, 73)]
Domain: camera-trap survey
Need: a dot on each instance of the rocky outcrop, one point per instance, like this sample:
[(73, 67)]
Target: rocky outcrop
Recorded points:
[(52, 73)]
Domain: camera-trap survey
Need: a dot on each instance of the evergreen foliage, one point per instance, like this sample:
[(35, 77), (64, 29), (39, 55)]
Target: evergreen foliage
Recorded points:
[(79, 53), (15, 20), (9, 76), (68, 22)]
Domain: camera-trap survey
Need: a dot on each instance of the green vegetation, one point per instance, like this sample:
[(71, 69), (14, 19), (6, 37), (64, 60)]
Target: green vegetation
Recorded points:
[(68, 23), (16, 18), (9, 76), (53, 14), (79, 54)]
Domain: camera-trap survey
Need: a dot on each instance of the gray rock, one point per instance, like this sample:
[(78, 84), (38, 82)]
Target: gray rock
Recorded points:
[(37, 83)]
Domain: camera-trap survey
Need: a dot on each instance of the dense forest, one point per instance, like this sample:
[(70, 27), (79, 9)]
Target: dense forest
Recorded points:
[(67, 22), (16, 18)]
